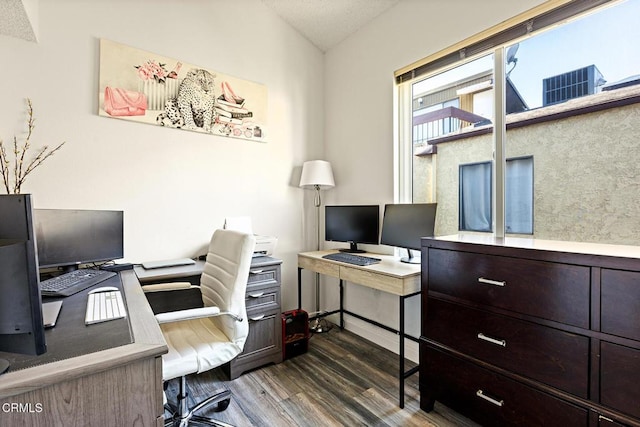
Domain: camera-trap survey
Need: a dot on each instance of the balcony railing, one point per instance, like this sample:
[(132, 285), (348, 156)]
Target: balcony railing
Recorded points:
[(442, 122)]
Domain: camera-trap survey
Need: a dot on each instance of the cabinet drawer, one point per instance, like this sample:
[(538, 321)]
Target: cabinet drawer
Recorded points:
[(266, 299), (554, 357), (620, 378), (263, 277), (265, 334), (548, 290), (490, 398), (620, 303)]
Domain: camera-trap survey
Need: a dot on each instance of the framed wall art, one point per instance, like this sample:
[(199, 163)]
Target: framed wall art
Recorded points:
[(149, 88)]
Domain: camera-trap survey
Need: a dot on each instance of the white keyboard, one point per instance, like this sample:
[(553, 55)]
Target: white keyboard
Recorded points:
[(104, 306)]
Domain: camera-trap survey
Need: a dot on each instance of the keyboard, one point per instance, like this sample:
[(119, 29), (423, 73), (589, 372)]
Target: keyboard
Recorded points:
[(104, 306), (351, 258), (74, 281)]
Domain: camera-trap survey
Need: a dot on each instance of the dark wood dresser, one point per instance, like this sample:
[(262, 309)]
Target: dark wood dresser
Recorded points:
[(531, 332)]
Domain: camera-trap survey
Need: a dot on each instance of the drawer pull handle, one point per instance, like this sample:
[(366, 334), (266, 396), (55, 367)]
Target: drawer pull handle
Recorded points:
[(256, 295), (255, 271), (491, 282), (481, 395), (255, 319), (603, 418), (483, 337)]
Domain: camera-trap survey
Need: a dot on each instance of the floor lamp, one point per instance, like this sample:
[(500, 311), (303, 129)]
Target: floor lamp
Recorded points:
[(317, 175)]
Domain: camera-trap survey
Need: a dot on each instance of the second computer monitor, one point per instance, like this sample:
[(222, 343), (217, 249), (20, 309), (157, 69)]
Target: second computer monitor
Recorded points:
[(405, 224), (352, 224), (70, 237)]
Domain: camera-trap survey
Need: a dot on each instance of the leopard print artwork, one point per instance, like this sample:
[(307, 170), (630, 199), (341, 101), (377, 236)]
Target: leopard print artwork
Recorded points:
[(196, 99), (171, 113)]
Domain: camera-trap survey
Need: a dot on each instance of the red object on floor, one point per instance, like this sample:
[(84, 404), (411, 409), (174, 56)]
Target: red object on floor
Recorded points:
[(295, 333)]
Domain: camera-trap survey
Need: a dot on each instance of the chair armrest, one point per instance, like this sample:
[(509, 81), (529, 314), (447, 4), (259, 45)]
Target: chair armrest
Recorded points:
[(166, 297), (190, 314), (174, 286)]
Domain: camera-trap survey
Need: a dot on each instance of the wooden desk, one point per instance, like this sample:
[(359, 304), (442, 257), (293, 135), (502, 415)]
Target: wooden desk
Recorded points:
[(115, 386), (390, 275)]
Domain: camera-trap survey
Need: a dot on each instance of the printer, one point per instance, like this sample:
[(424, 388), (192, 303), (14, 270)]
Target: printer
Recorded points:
[(265, 245)]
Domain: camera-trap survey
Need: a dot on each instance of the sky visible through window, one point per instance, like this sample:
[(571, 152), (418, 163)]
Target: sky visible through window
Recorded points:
[(608, 39)]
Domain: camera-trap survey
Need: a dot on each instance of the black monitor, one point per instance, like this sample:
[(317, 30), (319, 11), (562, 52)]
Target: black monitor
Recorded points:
[(68, 238), (405, 224), (21, 326), (352, 224)]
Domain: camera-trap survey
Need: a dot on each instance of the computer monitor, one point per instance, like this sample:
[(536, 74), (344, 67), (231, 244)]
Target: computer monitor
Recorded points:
[(68, 238), (404, 225), (21, 326), (352, 224)]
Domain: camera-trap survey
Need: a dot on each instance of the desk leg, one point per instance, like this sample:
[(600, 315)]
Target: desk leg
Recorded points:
[(401, 353), (299, 288), (341, 304)]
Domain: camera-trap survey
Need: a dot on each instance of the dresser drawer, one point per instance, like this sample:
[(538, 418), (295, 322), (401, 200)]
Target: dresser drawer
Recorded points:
[(620, 378), (554, 291), (554, 357), (490, 398), (620, 303)]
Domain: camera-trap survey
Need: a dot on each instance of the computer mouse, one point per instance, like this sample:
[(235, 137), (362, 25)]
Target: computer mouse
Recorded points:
[(104, 289)]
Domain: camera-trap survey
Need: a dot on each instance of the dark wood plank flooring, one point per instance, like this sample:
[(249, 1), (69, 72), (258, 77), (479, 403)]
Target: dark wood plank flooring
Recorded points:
[(343, 380)]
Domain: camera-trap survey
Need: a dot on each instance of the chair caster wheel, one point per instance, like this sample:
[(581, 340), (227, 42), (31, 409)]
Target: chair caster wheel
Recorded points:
[(222, 405)]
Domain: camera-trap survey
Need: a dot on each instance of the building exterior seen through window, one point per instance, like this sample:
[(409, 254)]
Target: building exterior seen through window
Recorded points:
[(572, 117)]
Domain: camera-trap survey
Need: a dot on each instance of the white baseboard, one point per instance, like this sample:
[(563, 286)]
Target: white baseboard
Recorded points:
[(379, 336)]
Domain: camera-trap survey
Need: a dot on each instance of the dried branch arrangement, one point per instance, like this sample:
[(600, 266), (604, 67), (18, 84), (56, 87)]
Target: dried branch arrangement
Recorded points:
[(20, 165)]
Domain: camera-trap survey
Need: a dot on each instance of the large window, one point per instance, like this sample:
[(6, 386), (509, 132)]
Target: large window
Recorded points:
[(562, 88)]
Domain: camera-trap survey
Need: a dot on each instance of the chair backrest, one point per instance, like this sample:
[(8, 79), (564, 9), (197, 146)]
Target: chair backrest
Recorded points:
[(224, 280)]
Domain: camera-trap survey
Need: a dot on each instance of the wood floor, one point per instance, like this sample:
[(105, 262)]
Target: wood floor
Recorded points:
[(343, 380)]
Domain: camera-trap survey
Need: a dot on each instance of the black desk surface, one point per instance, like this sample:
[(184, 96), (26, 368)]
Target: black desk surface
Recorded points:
[(71, 337)]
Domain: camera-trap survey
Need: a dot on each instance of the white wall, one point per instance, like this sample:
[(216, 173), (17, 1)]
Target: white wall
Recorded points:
[(359, 118), (175, 186)]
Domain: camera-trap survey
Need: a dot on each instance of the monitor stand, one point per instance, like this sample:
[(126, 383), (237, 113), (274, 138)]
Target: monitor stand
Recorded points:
[(353, 249), (411, 259), (4, 366)]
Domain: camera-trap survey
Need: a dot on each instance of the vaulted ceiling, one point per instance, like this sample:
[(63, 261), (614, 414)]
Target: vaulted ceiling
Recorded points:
[(325, 23), (15, 20), (328, 22)]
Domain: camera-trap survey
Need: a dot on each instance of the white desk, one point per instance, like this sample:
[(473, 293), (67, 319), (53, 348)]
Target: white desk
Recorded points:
[(390, 275)]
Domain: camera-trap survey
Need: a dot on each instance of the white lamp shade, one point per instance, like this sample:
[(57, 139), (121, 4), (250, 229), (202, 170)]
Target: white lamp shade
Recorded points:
[(317, 172)]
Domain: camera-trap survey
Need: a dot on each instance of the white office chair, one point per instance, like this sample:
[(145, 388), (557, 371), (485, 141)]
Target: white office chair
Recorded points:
[(201, 339)]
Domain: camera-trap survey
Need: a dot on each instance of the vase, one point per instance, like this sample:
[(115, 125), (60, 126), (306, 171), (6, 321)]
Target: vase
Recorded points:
[(157, 93)]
